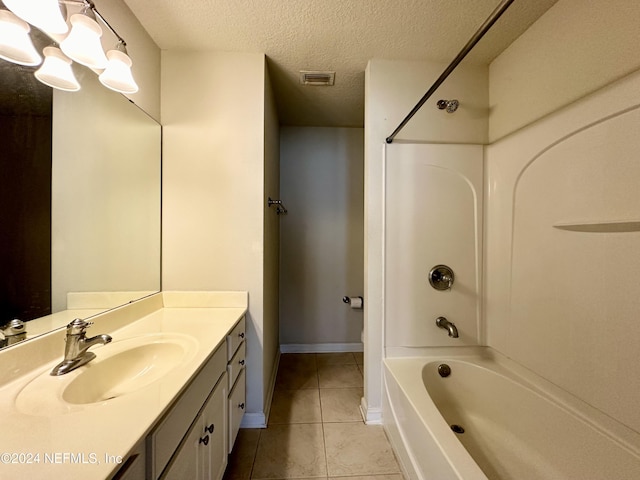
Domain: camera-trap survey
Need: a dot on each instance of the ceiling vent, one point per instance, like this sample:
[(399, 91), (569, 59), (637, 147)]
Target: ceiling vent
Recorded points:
[(317, 79)]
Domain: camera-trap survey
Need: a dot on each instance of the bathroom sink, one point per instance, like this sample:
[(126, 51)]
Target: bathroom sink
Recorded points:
[(123, 372), (120, 368)]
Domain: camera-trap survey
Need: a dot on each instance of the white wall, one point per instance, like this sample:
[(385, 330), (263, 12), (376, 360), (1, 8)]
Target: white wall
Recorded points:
[(213, 116), (576, 48), (433, 216), (563, 302), (392, 88), (321, 237)]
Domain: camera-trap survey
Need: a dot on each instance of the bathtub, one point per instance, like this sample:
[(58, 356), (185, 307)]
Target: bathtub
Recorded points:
[(516, 425)]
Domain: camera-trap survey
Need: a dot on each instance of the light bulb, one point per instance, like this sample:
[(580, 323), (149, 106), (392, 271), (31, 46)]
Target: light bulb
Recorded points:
[(15, 42), (44, 14), (56, 71), (83, 42), (117, 76)]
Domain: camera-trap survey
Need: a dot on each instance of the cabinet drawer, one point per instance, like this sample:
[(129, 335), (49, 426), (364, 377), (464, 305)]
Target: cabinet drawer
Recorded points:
[(236, 364), (237, 399), (164, 440), (235, 338), (203, 453)]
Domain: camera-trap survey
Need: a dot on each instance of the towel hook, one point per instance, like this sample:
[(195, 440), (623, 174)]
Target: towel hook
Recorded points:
[(280, 208)]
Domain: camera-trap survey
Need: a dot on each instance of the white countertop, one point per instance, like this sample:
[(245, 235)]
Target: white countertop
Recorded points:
[(85, 441)]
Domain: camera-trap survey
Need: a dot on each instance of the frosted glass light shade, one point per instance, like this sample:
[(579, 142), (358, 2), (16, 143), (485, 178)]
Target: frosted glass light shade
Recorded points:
[(44, 14), (83, 42), (15, 44), (56, 71), (117, 76)]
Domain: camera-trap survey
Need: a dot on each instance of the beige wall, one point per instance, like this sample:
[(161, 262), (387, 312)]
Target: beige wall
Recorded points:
[(577, 47), (213, 116), (392, 88), (321, 237)]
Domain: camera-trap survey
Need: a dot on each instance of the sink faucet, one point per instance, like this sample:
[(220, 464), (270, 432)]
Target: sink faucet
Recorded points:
[(447, 325), (77, 344), (13, 332)]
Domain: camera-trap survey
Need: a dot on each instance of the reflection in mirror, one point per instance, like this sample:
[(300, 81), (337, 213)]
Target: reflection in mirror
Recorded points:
[(80, 201)]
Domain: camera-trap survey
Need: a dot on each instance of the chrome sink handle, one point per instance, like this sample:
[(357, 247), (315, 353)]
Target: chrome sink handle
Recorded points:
[(78, 326), (76, 346)]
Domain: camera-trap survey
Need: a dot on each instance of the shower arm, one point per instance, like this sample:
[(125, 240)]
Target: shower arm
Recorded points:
[(500, 9)]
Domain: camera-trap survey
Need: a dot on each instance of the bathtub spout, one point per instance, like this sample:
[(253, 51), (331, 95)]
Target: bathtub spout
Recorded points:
[(447, 325)]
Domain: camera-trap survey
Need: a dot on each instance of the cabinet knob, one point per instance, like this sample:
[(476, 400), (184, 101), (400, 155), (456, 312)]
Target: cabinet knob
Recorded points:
[(241, 334), (241, 362), (204, 440), (209, 428), (241, 406)]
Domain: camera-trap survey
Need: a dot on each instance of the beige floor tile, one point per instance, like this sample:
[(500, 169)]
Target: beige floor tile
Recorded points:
[(339, 376), (371, 477), (341, 404), (243, 454), (294, 375), (359, 356), (297, 360), (290, 451), (295, 406), (358, 449), (335, 358)]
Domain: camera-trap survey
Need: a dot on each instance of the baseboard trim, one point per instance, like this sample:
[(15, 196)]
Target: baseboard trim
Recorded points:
[(253, 420), (371, 416), (321, 347)]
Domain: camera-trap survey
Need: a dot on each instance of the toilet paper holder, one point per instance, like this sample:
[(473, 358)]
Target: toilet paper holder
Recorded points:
[(355, 302)]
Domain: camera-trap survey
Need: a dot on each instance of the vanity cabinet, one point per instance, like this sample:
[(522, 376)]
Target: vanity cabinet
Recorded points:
[(133, 468), (203, 453), (193, 439)]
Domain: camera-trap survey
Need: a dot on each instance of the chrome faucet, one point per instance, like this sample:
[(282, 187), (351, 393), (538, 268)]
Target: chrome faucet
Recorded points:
[(77, 344), (447, 325), (13, 332)]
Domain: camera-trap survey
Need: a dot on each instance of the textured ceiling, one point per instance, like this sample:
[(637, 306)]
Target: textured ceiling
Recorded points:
[(336, 35)]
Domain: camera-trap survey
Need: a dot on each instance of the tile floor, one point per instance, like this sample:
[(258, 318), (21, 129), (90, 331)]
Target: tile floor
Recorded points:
[(315, 429)]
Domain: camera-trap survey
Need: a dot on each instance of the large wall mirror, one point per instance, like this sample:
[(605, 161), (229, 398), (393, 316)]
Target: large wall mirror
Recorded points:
[(79, 201)]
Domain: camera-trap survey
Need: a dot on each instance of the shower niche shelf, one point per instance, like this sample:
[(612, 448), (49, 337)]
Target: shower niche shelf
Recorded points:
[(600, 227)]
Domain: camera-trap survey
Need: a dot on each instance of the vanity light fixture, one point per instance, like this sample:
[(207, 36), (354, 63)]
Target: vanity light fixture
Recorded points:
[(56, 71), (81, 44), (117, 76), (15, 43), (43, 14)]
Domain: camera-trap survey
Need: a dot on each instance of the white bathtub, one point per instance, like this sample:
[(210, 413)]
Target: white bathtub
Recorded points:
[(517, 425)]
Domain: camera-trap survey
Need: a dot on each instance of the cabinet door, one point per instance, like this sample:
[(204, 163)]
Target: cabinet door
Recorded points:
[(190, 460), (203, 453), (236, 407), (214, 424)]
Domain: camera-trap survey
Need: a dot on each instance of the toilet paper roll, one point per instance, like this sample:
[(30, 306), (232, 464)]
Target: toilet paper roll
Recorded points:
[(355, 302)]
